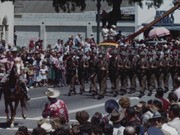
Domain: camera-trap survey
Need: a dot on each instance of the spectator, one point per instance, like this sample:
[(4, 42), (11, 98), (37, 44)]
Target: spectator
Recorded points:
[(174, 113), (22, 130), (129, 131), (124, 102), (159, 95), (38, 131), (56, 107), (118, 129), (157, 121), (108, 129), (131, 119), (172, 97), (82, 117)]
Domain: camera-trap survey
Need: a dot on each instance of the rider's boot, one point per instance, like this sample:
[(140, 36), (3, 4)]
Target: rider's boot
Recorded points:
[(25, 91)]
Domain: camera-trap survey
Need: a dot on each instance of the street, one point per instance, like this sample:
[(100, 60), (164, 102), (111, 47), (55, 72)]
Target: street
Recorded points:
[(75, 103)]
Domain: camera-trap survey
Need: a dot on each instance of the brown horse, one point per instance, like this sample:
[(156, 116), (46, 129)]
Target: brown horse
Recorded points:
[(16, 96)]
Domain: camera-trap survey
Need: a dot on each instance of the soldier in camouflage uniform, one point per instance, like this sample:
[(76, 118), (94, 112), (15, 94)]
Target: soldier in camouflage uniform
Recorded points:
[(167, 64), (160, 69), (81, 72), (141, 73), (151, 78), (173, 68), (102, 75), (112, 68), (132, 71), (123, 72), (93, 74), (72, 64)]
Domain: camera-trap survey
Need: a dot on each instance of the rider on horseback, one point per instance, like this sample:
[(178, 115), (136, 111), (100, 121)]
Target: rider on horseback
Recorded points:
[(16, 75)]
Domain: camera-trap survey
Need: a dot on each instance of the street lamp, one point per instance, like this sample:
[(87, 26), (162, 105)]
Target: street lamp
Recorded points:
[(98, 19)]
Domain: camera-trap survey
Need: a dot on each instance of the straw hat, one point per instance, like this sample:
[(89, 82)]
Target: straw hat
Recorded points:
[(115, 116), (51, 93), (47, 126)]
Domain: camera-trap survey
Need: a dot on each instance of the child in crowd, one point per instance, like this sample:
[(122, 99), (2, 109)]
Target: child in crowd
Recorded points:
[(43, 72), (30, 76), (63, 70)]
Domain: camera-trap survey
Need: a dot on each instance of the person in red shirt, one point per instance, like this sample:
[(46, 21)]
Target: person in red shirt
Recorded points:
[(159, 95), (56, 108)]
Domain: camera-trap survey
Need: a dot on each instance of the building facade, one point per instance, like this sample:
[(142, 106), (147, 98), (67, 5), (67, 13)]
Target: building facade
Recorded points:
[(7, 22), (37, 19)]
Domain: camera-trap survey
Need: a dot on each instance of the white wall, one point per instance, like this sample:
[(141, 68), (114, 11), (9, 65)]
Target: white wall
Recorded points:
[(7, 11)]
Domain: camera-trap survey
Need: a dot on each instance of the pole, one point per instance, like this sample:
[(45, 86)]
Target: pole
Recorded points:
[(98, 20), (132, 36)]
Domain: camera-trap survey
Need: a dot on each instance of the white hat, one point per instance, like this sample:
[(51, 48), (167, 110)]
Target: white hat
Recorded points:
[(113, 26), (47, 127), (14, 49), (52, 93)]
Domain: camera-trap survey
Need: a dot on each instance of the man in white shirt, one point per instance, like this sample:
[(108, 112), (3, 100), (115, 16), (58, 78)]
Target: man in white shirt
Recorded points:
[(105, 32), (174, 113)]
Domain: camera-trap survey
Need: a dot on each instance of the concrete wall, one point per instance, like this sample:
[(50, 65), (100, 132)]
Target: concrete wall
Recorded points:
[(7, 15), (51, 26)]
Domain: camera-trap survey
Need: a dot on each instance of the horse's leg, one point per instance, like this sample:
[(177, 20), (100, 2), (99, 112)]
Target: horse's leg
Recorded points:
[(6, 110), (13, 114), (22, 108)]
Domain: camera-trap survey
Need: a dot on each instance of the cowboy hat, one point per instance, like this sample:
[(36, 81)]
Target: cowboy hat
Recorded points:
[(51, 93), (115, 116), (47, 127)]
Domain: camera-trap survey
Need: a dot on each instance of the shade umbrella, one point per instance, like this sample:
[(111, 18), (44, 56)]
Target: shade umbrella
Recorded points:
[(158, 32)]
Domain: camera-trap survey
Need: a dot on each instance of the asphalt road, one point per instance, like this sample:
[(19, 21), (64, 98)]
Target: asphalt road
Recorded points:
[(75, 103)]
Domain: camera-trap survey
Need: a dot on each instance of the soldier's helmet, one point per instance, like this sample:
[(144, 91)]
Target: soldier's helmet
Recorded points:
[(132, 53), (142, 54), (123, 53), (80, 53), (166, 53), (114, 52), (150, 53), (158, 53)]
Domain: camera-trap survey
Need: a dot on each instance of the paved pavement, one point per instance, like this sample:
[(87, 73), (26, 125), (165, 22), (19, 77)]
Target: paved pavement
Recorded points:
[(75, 103)]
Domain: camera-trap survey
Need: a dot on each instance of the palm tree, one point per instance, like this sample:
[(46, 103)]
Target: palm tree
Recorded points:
[(114, 15)]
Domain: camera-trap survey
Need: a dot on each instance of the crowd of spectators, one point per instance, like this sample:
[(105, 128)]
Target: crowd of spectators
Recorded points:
[(39, 64), (157, 116)]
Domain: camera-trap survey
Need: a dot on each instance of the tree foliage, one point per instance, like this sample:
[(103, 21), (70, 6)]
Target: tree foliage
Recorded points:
[(72, 5), (7, 0)]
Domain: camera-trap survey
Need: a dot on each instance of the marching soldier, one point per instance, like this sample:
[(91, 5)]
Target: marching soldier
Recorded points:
[(168, 63), (160, 69), (132, 71), (102, 75), (124, 77), (93, 74), (151, 78), (112, 68), (81, 72), (72, 65), (173, 68), (120, 68), (177, 65), (142, 70)]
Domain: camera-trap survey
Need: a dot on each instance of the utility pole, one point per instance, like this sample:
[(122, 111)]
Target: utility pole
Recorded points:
[(132, 36), (98, 20)]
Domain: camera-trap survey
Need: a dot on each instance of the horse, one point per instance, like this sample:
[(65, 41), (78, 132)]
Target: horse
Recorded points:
[(15, 96)]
